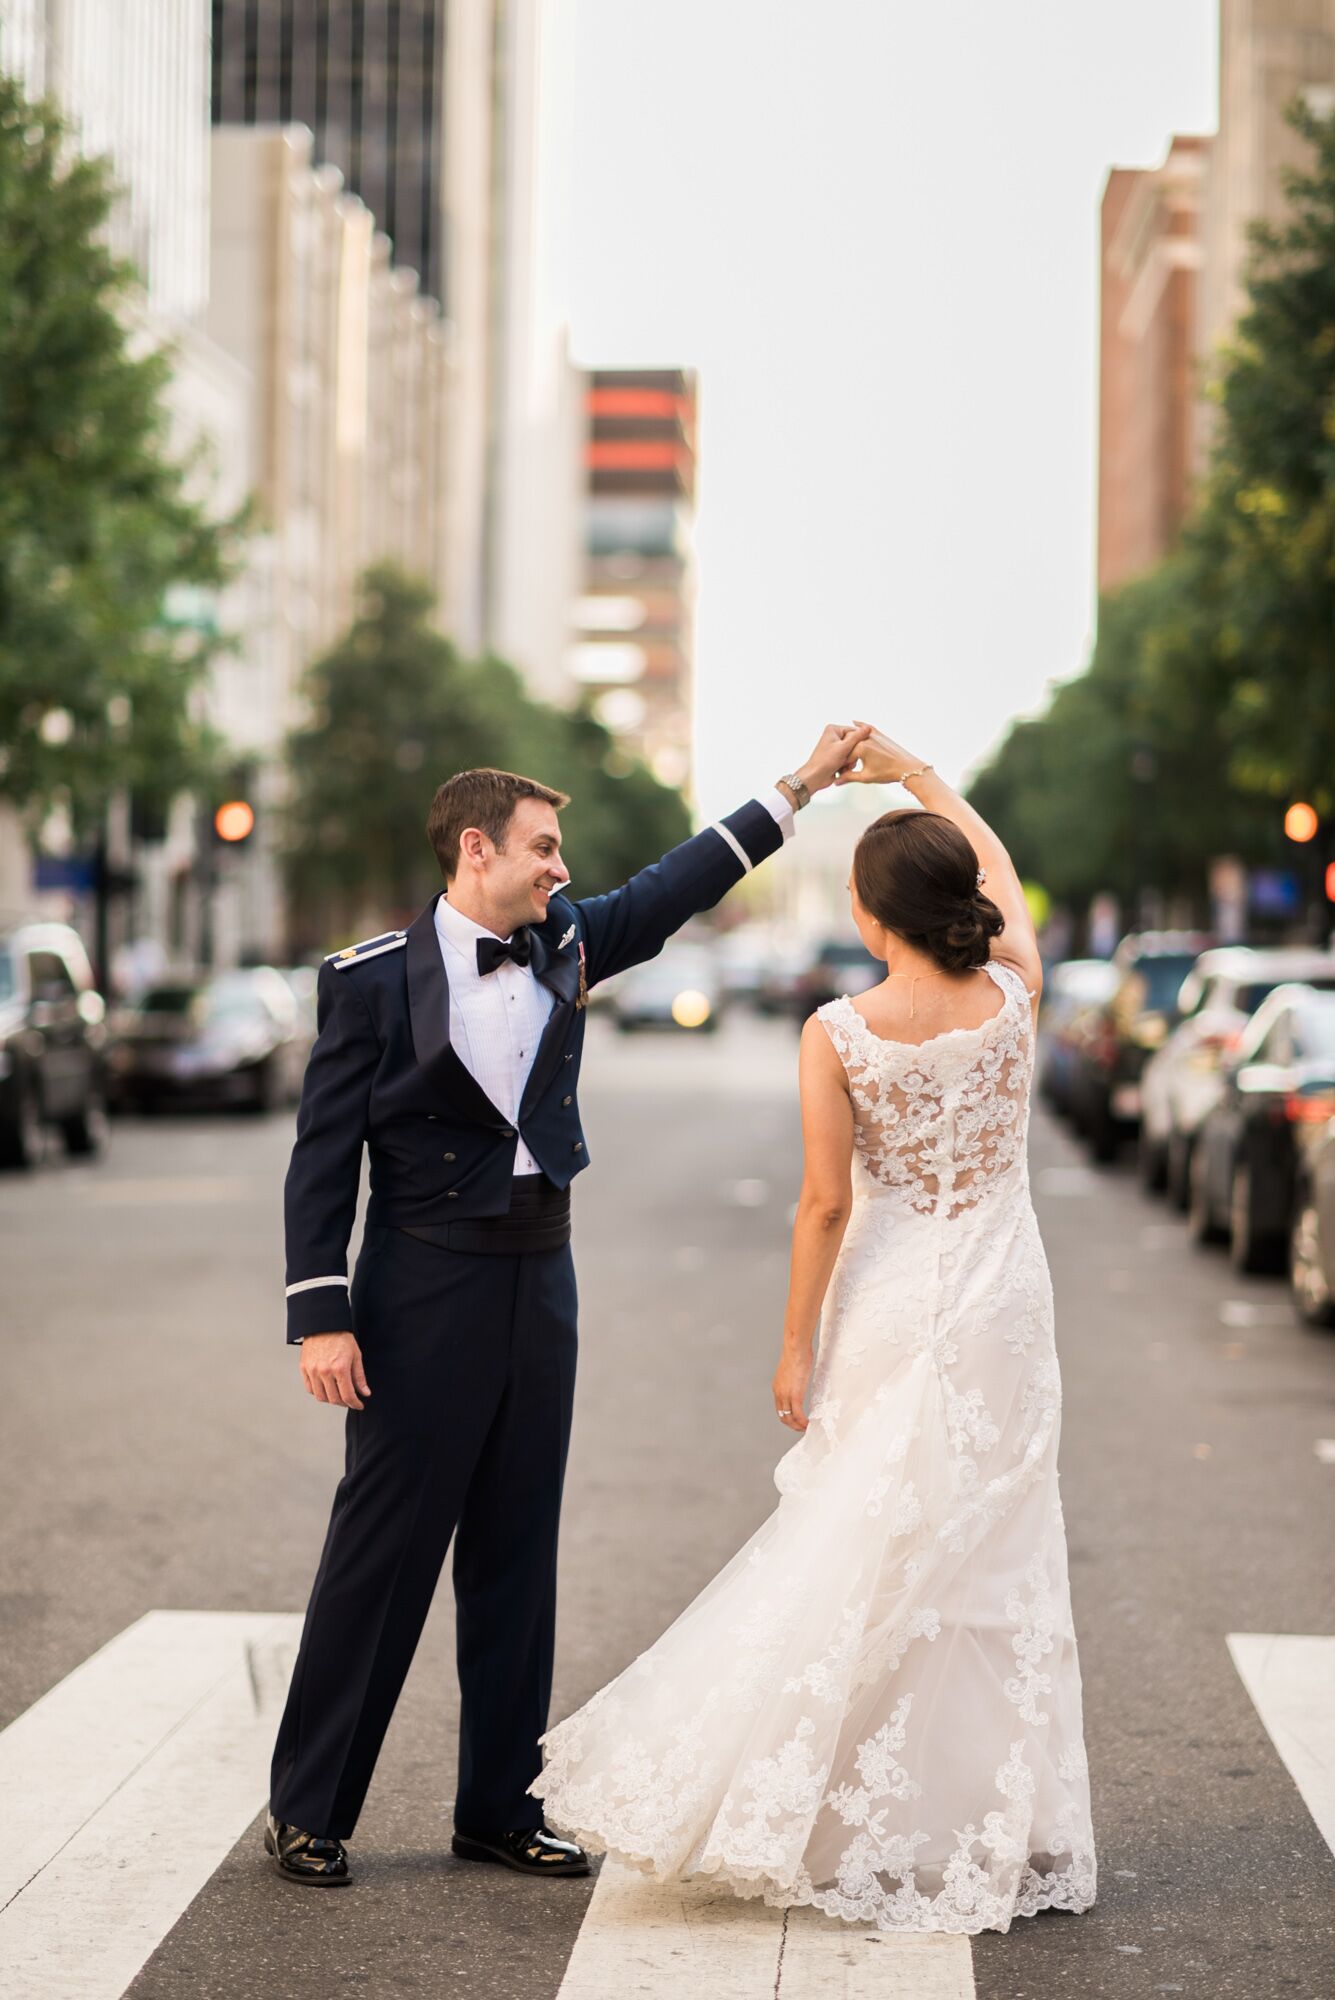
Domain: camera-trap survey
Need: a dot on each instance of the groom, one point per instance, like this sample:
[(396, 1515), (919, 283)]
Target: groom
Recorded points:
[(451, 1051)]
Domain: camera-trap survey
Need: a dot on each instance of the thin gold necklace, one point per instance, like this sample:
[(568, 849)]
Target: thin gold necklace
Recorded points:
[(913, 978)]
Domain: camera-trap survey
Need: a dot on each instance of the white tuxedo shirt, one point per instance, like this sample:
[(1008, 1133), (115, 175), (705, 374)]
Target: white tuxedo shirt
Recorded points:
[(497, 1019)]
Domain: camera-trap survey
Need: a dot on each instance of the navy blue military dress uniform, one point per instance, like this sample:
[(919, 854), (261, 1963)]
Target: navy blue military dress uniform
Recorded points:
[(464, 1305)]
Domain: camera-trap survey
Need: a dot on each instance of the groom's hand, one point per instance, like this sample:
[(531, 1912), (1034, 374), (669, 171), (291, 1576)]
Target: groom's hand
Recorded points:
[(838, 747), (331, 1368)]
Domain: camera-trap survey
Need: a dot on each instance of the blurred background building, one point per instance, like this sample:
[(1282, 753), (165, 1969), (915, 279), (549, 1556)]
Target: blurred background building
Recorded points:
[(635, 616), (430, 111), (1173, 246), (348, 271), (1150, 242)]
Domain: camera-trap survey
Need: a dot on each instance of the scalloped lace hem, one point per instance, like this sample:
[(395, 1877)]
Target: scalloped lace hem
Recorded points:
[(1073, 1890)]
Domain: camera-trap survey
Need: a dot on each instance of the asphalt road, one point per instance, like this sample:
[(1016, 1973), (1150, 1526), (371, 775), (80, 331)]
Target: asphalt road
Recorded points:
[(156, 1451)]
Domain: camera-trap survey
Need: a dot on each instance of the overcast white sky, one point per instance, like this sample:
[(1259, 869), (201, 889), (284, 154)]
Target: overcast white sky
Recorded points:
[(872, 226)]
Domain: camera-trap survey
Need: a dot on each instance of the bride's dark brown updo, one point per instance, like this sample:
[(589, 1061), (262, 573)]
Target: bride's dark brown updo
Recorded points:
[(917, 874)]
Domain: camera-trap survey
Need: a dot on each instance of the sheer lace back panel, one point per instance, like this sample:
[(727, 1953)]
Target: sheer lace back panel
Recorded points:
[(939, 1124)]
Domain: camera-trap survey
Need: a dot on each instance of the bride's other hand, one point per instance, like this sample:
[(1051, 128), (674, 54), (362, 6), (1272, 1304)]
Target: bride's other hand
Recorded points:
[(792, 1379), (881, 761)]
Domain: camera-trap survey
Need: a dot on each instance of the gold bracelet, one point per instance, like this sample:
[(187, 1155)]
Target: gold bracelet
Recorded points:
[(920, 772)]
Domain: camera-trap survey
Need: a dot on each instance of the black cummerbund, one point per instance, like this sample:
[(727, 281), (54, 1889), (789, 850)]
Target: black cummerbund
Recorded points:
[(538, 1219)]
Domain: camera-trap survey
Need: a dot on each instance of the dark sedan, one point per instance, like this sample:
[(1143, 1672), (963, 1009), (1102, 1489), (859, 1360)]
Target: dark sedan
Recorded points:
[(1071, 990), (1116, 1039), (1312, 1226), (238, 1038), (1246, 1163), (52, 1044), (841, 965)]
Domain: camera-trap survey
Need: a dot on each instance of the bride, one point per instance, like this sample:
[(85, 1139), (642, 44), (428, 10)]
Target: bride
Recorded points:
[(875, 1707)]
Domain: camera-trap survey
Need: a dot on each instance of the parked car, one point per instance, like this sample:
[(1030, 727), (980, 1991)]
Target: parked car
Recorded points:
[(841, 965), (1245, 1162), (744, 958), (1312, 1223), (52, 1045), (680, 988), (1183, 1080), (234, 1038), (1117, 1037), (783, 979), (1070, 989)]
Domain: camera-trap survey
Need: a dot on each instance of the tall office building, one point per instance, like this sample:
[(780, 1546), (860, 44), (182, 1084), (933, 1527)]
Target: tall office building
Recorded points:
[(635, 618), (430, 111), (368, 78), (1150, 256), (130, 76)]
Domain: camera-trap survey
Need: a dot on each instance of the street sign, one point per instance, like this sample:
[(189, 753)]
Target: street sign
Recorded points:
[(75, 872)]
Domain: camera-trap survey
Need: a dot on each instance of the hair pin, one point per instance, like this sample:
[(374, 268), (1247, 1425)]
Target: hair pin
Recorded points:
[(982, 877)]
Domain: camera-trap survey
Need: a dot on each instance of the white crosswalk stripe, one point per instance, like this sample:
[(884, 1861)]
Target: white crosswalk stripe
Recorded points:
[(659, 1940), (1291, 1678), (125, 1787)]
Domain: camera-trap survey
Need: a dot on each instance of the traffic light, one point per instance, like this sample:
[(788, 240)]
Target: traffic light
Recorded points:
[(234, 822), (233, 818)]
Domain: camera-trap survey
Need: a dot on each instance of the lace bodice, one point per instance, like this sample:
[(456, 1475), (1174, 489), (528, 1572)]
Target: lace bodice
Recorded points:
[(939, 1124)]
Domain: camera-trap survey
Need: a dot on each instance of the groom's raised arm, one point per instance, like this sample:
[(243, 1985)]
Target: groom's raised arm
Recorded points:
[(633, 923)]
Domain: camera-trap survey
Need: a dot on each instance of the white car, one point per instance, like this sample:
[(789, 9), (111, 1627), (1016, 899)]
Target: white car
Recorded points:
[(1182, 1082)]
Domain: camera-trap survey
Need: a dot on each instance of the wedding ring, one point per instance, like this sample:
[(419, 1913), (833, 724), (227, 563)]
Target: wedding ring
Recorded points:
[(785, 1413)]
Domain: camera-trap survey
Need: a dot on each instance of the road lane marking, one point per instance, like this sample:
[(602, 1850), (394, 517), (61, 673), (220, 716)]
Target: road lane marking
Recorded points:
[(659, 1940), (1291, 1679), (126, 1786)]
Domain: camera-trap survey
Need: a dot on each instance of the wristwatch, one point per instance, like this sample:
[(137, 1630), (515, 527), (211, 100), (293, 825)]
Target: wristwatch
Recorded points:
[(800, 792)]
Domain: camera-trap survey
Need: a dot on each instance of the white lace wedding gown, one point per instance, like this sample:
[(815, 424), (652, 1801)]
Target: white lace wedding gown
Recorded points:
[(875, 1707)]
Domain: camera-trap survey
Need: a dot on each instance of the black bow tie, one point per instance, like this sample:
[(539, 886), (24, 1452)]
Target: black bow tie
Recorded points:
[(492, 952)]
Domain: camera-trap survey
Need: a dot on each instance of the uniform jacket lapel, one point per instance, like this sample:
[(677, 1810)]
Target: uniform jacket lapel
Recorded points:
[(429, 1014), (559, 972)]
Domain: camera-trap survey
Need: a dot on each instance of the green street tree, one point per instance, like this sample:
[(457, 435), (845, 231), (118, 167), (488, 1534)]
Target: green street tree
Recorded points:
[(97, 522), (393, 710), (1264, 543), (1209, 699)]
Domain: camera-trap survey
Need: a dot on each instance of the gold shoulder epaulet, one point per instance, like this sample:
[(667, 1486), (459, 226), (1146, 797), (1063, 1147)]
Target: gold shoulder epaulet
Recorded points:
[(353, 954)]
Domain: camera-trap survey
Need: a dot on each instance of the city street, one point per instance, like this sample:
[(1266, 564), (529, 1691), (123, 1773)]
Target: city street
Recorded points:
[(159, 1456)]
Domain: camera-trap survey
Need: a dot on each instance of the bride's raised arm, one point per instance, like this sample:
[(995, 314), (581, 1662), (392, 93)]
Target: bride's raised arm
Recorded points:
[(882, 761)]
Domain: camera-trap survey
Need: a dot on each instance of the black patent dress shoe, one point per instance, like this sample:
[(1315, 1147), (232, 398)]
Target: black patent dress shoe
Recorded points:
[(530, 1851), (305, 1857)]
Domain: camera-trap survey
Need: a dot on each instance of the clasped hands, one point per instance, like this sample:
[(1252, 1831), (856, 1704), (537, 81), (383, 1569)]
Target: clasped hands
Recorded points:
[(859, 754)]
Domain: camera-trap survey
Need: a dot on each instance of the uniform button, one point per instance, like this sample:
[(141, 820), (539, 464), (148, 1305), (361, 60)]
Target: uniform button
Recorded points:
[(578, 1146), (451, 1194), (448, 1156), (433, 1118), (567, 1101), (507, 1131)]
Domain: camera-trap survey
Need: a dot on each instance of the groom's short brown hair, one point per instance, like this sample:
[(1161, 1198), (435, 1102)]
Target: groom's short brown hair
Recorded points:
[(485, 799)]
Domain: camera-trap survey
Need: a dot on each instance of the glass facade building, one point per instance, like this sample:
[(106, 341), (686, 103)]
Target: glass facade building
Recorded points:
[(368, 78)]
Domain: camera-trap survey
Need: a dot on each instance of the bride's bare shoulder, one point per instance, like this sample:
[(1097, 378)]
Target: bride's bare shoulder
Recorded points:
[(823, 1035)]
